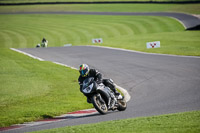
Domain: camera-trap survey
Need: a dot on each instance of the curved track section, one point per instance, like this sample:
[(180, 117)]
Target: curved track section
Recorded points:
[(158, 84), (188, 21)]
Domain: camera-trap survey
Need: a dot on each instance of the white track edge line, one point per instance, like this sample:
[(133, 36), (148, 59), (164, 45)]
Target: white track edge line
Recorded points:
[(27, 54), (179, 22), (124, 91), (133, 51)]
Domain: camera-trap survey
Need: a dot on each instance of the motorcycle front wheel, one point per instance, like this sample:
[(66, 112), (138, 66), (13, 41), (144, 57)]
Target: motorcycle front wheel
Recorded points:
[(99, 104)]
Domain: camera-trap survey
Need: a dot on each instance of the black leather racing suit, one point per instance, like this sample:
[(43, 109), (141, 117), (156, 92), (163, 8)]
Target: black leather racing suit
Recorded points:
[(98, 78)]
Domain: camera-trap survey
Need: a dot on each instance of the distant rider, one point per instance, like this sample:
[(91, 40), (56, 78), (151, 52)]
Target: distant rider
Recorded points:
[(86, 72), (44, 43)]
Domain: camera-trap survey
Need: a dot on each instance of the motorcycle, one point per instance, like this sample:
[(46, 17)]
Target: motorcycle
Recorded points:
[(102, 97)]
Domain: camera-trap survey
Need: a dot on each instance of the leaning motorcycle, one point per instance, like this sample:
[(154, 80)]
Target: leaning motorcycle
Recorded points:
[(102, 97)]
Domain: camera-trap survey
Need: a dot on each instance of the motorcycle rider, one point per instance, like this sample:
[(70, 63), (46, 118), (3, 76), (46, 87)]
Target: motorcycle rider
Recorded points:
[(44, 43), (86, 72)]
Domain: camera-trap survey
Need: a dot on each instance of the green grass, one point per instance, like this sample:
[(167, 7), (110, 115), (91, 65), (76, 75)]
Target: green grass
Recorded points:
[(185, 43), (32, 89), (187, 8), (187, 122), (130, 32)]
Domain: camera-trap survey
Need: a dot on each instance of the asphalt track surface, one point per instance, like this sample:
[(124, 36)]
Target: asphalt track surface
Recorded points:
[(158, 84)]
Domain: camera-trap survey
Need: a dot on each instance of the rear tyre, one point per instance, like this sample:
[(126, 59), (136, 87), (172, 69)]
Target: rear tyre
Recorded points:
[(121, 105), (99, 104)]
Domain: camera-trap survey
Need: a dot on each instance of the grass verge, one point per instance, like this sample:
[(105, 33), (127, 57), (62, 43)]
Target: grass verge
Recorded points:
[(185, 8), (187, 122), (129, 32), (32, 89)]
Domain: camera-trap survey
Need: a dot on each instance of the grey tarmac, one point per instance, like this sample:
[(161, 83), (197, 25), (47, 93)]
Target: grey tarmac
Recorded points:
[(158, 84)]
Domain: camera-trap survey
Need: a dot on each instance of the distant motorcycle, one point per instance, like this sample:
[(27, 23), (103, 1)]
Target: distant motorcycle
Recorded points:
[(102, 97), (44, 44)]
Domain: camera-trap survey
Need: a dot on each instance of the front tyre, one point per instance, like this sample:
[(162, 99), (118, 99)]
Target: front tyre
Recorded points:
[(99, 104)]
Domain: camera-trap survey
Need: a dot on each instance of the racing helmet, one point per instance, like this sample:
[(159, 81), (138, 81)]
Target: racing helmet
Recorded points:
[(84, 70)]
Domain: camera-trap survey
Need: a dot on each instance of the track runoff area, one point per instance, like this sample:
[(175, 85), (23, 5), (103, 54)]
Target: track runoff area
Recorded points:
[(89, 112), (160, 105), (71, 115)]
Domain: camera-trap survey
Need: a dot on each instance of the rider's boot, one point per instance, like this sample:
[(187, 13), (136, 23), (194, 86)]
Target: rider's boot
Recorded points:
[(115, 90), (116, 93), (110, 84)]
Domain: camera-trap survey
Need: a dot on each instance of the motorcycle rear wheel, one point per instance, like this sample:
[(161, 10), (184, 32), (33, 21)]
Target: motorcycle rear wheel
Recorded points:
[(122, 105), (99, 104)]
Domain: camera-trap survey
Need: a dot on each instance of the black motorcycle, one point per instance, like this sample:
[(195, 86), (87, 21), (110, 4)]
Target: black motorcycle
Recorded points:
[(102, 97)]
